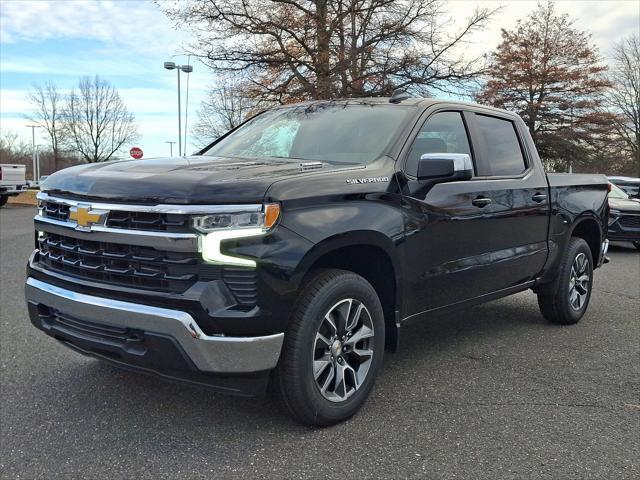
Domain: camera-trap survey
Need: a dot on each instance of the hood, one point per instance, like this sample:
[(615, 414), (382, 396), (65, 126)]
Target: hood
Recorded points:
[(196, 179), (624, 205)]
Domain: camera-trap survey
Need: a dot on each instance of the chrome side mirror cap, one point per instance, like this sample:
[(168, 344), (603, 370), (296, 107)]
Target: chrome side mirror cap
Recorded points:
[(445, 167)]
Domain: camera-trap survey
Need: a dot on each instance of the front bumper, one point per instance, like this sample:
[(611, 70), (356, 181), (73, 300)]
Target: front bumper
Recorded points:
[(143, 336), (624, 227)]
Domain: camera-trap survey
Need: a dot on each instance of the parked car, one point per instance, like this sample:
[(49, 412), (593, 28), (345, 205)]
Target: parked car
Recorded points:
[(294, 248), (624, 217), (12, 181), (630, 185)]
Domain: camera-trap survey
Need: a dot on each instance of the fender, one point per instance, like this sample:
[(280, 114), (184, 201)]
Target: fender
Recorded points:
[(358, 238)]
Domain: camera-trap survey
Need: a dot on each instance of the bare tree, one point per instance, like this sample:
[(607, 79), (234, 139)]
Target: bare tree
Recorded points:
[(291, 50), (97, 120), (222, 109), (47, 112), (9, 140), (624, 96)]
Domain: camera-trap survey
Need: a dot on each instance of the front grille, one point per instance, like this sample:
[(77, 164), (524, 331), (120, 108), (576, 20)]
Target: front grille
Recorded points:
[(57, 211), (150, 221), (630, 221), (141, 267), (124, 265)]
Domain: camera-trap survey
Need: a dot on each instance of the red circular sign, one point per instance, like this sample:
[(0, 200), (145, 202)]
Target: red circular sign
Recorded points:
[(136, 153)]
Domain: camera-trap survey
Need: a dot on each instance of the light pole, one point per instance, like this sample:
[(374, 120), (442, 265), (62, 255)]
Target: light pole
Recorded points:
[(185, 69), (171, 146), (38, 161), (33, 149)]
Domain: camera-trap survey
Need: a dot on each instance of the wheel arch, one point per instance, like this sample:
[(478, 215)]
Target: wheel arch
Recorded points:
[(589, 229), (369, 254)]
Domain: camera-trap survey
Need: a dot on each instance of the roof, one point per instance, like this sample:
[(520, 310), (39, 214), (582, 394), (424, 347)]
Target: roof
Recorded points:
[(412, 101)]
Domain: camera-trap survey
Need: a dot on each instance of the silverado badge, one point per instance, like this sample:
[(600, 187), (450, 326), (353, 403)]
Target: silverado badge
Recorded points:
[(355, 181)]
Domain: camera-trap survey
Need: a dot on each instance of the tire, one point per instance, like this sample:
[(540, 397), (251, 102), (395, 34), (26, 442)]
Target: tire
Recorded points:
[(307, 374), (568, 303), (3, 200), (637, 245)]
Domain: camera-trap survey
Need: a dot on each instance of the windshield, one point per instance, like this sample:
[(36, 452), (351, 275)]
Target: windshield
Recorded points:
[(617, 192), (356, 133)]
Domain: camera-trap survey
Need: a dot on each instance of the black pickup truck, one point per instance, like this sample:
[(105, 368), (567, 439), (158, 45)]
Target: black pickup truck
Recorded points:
[(294, 249)]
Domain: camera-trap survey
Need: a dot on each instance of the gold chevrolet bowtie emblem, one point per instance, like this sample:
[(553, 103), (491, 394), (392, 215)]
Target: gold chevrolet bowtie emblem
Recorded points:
[(85, 217)]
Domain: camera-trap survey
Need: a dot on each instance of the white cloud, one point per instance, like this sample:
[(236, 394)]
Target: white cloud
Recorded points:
[(138, 24), (608, 21), (13, 101)]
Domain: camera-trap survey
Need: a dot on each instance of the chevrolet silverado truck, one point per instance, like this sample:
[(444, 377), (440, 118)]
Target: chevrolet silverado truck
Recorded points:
[(12, 181), (293, 250)]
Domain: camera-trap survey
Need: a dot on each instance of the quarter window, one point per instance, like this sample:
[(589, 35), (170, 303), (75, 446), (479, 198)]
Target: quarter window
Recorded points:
[(443, 132), (503, 151)]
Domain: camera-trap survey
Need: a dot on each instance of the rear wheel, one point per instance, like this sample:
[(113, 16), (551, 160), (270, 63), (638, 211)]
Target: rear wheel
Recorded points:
[(637, 245), (333, 348), (575, 278)]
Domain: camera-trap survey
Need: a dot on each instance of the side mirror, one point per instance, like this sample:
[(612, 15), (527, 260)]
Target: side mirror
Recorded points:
[(445, 167)]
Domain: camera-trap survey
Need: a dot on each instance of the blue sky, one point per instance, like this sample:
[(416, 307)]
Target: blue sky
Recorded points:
[(127, 41), (123, 41)]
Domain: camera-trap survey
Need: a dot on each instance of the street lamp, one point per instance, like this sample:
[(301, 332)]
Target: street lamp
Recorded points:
[(185, 69), (33, 150), (171, 146)]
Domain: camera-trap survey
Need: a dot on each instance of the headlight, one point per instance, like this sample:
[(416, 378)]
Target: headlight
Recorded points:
[(218, 227), (613, 216)]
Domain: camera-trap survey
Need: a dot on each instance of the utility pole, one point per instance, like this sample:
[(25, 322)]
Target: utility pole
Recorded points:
[(179, 120), (38, 162), (171, 146), (33, 151)]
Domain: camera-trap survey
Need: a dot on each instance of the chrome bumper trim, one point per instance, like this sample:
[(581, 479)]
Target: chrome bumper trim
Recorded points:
[(604, 248), (217, 354)]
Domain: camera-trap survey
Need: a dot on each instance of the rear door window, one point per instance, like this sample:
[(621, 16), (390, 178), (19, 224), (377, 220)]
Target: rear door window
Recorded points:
[(502, 148)]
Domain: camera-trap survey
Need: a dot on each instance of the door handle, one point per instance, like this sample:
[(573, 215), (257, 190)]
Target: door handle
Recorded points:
[(481, 202), (539, 197)]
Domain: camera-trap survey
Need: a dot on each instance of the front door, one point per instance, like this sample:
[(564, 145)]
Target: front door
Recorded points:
[(447, 250)]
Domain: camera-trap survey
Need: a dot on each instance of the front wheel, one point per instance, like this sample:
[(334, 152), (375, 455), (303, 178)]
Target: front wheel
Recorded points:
[(3, 200), (333, 348), (637, 245), (575, 278)]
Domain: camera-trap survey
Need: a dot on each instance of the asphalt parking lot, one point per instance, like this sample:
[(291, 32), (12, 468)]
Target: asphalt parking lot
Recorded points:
[(489, 393)]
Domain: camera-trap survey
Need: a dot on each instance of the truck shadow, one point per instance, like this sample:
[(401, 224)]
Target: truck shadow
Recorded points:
[(151, 404), (622, 247)]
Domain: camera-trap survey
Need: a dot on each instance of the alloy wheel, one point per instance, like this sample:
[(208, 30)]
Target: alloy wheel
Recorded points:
[(343, 350), (579, 282)]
